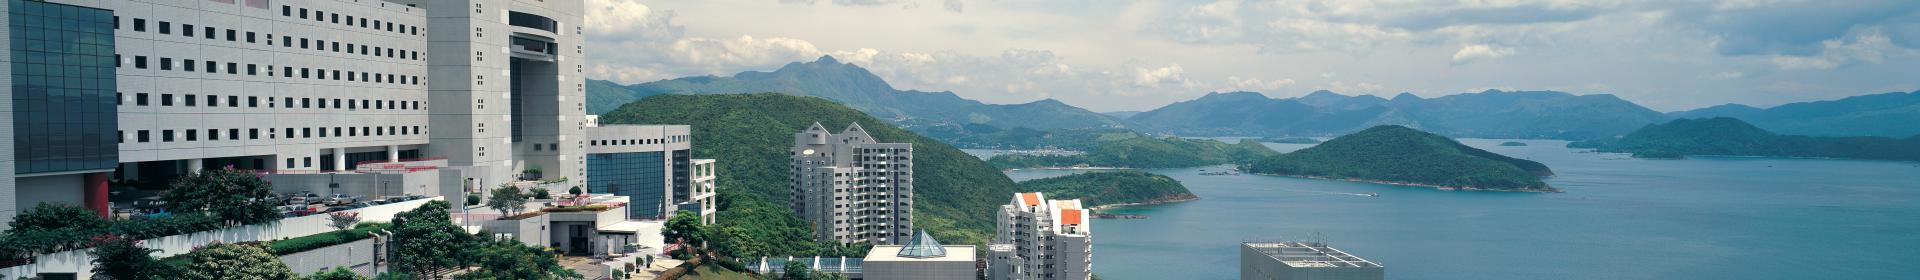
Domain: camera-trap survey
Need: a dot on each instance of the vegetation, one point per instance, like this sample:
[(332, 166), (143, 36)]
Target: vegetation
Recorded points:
[(751, 132), (337, 273), (685, 228), (1170, 152), (510, 259), (234, 261), (1887, 114), (49, 228), (1512, 144), (541, 193), (317, 241), (507, 199), (1290, 140), (1489, 114), (1397, 154), (1095, 189), (426, 242), (231, 195), (120, 258), (989, 137), (1733, 137)]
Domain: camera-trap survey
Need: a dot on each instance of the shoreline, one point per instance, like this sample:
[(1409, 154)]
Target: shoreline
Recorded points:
[(1068, 168), (1097, 209), (1412, 184)]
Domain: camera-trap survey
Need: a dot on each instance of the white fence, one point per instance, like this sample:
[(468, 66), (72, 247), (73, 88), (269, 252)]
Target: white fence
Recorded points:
[(80, 263)]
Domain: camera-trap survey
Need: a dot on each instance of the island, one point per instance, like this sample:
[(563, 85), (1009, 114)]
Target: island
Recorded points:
[(1105, 189), (1392, 154), (1290, 140), (1513, 144), (1144, 152), (1723, 136)]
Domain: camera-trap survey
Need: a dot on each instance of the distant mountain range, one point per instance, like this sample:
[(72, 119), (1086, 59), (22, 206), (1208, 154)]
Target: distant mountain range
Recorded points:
[(862, 90), (1894, 114), (1489, 114), (1724, 136), (1401, 155)]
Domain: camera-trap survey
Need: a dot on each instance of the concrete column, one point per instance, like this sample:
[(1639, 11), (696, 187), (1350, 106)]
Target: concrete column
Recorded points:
[(393, 153), (95, 192), (339, 159), (196, 165)]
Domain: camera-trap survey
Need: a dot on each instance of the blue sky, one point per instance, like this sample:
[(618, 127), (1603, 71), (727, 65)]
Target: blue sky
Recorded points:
[(1109, 55)]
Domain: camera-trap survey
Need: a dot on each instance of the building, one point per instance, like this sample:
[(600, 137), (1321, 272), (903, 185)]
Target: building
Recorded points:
[(643, 162), (149, 90), (1041, 239), (700, 196), (1303, 261), (921, 258), (851, 187)]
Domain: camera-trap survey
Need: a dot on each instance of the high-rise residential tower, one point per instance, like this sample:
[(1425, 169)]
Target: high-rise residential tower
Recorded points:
[(851, 187), (1041, 239)]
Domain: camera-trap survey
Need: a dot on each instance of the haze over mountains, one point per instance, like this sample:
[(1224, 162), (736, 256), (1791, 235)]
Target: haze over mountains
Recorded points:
[(1488, 114)]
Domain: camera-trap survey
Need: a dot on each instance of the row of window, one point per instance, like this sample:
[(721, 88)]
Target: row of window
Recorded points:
[(189, 65), (211, 33), (188, 135), (626, 142), (188, 100), (323, 16)]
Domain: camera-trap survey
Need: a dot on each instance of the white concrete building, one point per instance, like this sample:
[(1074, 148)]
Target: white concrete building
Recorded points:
[(921, 258), (1041, 239), (700, 197), (851, 187), (156, 89), (1303, 261)]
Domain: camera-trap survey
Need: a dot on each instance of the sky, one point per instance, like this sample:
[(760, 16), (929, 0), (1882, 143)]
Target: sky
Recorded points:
[(1115, 55)]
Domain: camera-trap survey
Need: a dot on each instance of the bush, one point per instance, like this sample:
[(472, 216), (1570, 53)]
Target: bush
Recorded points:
[(541, 193), (473, 199), (234, 261), (337, 273), (317, 241)]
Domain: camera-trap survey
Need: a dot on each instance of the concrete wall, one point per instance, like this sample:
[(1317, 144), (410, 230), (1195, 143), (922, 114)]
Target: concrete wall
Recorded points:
[(356, 256), (369, 185), (928, 270), (56, 189)]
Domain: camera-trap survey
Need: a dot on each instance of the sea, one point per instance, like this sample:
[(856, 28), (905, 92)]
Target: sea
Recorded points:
[(1620, 218)]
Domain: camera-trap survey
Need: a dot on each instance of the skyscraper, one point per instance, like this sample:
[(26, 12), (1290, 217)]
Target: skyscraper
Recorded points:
[(851, 187), (1041, 239)]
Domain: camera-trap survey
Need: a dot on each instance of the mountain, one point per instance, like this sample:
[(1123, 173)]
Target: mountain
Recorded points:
[(1120, 114), (1489, 114), (1096, 189), (1401, 155), (1021, 138), (862, 90), (749, 135), (1733, 137), (1145, 152), (1887, 114)]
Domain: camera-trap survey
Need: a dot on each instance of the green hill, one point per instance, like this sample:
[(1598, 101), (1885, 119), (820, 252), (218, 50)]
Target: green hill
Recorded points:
[(1146, 152), (1488, 114), (956, 194), (1097, 189), (1401, 155), (1734, 137), (1886, 114)]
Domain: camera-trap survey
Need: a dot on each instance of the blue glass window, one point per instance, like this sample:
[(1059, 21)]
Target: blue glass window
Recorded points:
[(63, 87)]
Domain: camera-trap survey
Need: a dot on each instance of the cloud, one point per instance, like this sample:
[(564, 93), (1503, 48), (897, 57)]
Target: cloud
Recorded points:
[(954, 5), (1236, 83), (1865, 47), (1473, 53)]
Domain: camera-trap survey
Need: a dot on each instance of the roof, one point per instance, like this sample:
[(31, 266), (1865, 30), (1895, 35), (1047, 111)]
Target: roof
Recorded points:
[(1072, 216), (1308, 254), (922, 246), (1031, 199), (631, 227), (891, 253)]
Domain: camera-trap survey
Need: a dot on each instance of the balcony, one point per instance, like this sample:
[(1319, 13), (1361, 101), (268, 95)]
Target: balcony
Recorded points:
[(532, 47)]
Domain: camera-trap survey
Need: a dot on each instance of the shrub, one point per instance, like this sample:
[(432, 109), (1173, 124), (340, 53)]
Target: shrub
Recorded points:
[(337, 273), (234, 261), (317, 241), (473, 199), (541, 193)]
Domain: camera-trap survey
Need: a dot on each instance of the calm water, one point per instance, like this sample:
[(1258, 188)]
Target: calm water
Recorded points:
[(1709, 218)]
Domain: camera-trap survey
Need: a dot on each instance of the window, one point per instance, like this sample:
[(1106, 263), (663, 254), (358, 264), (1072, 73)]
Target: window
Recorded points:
[(213, 134), (189, 65), (233, 68), (233, 101), (140, 62), (166, 135), (249, 36), (252, 70), (140, 25), (185, 29), (253, 101), (166, 27), (233, 134), (303, 13), (140, 99), (253, 133), (144, 136), (289, 162), (212, 66), (286, 11), (189, 100), (166, 99), (193, 135), (166, 63), (303, 43), (230, 34), (213, 100)]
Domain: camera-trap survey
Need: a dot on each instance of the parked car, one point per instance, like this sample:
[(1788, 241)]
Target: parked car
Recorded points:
[(346, 207), (338, 199), (302, 198)]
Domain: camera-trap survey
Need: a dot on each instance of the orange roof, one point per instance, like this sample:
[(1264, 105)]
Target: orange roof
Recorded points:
[(1030, 198), (1070, 216)]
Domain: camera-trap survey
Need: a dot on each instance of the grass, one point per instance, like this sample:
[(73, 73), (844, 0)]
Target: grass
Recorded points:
[(715, 272)]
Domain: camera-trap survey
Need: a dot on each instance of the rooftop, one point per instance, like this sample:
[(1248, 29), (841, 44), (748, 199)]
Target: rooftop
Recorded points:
[(1308, 254), (891, 253)]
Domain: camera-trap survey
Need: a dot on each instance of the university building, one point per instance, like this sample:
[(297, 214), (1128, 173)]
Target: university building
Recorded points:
[(1041, 239), (131, 92), (851, 187)]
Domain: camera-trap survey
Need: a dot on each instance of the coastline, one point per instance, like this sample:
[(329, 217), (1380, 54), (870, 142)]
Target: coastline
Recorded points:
[(1191, 197), (1412, 184), (1068, 168)]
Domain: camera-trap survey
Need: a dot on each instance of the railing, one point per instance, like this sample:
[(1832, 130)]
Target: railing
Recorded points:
[(401, 160)]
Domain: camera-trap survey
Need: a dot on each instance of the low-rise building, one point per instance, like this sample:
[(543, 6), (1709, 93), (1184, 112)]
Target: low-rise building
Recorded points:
[(700, 194), (1041, 239), (922, 258), (1303, 261)]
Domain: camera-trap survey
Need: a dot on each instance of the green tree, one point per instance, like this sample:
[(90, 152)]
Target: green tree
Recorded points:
[(120, 258), (426, 242), (685, 226), (508, 200), (229, 194), (473, 199), (234, 261), (541, 193), (48, 216), (337, 273), (576, 191), (510, 259), (795, 270)]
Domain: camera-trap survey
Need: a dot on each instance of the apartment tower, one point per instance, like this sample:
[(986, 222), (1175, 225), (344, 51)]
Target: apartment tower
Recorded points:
[(1041, 239), (851, 187)]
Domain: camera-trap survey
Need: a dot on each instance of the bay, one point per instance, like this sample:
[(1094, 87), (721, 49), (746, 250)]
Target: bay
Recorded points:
[(1621, 218)]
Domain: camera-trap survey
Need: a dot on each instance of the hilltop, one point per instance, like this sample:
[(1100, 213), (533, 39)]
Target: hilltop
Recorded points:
[(1488, 114), (1145, 152), (1888, 114), (749, 134), (1733, 137), (1097, 189), (1401, 155)]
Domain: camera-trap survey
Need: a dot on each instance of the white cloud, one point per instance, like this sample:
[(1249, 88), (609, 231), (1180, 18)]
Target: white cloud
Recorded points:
[(1869, 46), (1236, 83), (1473, 53)]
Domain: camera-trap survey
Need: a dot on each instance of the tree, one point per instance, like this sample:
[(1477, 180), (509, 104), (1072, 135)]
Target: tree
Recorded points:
[(47, 216), (576, 191), (337, 273), (229, 194), (541, 193), (234, 261), (507, 199), (342, 220), (427, 243), (510, 259), (473, 199), (120, 258), (796, 271), (685, 226)]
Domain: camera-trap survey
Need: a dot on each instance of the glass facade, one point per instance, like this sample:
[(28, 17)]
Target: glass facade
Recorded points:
[(63, 87), (682, 175), (641, 177)]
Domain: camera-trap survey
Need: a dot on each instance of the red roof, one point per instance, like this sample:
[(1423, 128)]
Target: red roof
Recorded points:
[(1071, 216), (1030, 198)]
